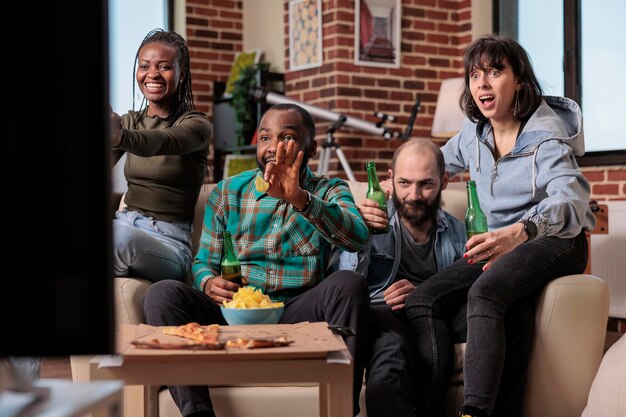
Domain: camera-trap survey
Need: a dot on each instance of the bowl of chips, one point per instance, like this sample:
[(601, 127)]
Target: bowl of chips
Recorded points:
[(250, 306)]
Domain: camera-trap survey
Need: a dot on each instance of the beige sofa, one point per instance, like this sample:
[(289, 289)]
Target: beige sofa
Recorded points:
[(570, 331)]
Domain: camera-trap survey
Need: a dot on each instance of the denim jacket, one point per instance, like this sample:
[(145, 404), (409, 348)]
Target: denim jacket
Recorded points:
[(378, 262), (538, 180)]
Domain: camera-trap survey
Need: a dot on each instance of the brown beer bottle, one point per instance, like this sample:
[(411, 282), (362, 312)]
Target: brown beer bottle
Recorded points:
[(376, 193), (231, 267)]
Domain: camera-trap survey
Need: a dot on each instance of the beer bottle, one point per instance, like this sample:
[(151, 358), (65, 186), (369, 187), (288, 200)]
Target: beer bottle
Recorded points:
[(376, 193), (475, 219), (231, 268)]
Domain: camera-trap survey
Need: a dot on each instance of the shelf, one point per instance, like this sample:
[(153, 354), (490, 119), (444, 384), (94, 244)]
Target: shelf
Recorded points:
[(225, 122)]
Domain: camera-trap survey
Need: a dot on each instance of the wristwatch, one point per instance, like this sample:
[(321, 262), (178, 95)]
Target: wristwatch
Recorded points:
[(531, 229)]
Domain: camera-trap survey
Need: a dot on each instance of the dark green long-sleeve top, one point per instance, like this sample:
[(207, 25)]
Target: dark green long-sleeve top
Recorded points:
[(165, 166)]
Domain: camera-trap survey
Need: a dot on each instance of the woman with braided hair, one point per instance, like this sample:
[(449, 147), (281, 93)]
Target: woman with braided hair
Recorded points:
[(166, 144)]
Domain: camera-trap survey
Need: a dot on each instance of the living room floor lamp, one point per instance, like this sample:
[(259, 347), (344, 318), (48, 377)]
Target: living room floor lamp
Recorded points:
[(448, 115)]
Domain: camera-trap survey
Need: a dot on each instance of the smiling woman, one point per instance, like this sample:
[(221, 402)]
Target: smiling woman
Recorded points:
[(128, 23), (166, 143)]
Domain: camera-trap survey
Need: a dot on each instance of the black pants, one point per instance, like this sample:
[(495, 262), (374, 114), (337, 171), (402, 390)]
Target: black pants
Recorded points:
[(340, 299), (390, 366), (504, 293)]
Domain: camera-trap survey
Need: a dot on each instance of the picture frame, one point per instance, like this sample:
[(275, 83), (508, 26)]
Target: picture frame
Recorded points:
[(378, 25), (237, 163), (305, 34)]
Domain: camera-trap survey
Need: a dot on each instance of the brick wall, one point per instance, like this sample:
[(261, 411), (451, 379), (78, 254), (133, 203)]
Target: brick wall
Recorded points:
[(214, 35), (434, 33), (433, 36)]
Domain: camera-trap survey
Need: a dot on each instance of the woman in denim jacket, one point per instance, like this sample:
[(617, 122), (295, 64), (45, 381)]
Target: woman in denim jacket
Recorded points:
[(520, 148)]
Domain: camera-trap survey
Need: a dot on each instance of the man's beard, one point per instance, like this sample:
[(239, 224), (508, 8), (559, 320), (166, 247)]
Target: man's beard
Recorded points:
[(417, 212)]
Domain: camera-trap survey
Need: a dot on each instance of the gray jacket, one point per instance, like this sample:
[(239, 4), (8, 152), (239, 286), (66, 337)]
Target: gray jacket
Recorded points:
[(378, 262), (538, 180)]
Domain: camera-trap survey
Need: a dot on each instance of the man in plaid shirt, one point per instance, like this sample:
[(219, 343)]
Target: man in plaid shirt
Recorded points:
[(283, 238)]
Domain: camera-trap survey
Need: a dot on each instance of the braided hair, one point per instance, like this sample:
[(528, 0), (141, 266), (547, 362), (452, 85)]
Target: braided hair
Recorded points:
[(183, 101)]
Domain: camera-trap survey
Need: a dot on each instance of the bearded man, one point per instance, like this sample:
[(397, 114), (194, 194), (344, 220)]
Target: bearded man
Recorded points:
[(422, 240)]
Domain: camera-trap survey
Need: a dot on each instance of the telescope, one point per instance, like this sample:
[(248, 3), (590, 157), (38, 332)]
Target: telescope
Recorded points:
[(263, 95), (339, 119)]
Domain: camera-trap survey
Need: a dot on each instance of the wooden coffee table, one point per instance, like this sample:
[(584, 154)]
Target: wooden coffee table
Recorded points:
[(317, 356)]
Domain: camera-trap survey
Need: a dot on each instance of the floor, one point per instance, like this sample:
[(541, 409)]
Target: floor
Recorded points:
[(57, 368)]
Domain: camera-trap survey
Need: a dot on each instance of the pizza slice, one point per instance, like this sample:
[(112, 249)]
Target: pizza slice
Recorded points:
[(255, 343), (194, 331), (155, 343)]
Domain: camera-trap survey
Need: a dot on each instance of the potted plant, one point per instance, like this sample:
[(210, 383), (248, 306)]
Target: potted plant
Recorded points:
[(241, 103)]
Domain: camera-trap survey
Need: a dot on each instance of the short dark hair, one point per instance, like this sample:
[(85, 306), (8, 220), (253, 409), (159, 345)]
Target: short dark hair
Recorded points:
[(309, 124), (490, 51)]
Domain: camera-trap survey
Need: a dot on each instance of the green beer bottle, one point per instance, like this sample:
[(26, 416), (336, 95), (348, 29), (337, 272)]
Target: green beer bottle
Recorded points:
[(231, 268), (376, 193), (475, 219)]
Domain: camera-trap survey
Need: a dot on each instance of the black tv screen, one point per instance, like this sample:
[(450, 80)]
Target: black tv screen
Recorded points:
[(56, 285)]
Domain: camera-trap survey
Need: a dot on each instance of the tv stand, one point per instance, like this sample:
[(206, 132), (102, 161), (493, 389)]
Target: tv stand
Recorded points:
[(12, 381), (56, 397)]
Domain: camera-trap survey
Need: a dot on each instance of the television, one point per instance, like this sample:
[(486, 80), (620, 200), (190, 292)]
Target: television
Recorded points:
[(56, 284)]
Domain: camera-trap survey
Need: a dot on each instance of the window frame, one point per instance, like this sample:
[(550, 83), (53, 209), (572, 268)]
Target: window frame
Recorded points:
[(505, 21)]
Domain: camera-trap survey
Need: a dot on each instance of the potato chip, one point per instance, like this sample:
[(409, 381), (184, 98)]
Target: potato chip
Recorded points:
[(261, 185), (250, 297)]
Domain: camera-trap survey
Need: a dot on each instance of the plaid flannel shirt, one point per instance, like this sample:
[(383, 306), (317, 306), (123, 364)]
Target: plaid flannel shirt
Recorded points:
[(282, 251)]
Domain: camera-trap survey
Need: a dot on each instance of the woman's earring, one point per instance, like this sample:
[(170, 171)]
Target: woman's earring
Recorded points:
[(516, 109)]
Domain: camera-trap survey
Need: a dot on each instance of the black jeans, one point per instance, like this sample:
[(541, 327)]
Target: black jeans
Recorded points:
[(388, 371), (504, 292), (340, 299)]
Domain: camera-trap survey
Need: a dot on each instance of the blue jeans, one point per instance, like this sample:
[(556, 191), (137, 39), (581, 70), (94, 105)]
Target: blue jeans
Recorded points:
[(27, 366), (502, 292), (148, 248)]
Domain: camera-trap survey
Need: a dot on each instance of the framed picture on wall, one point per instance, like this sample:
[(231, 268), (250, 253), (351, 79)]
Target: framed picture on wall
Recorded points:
[(377, 33), (305, 34), (235, 164)]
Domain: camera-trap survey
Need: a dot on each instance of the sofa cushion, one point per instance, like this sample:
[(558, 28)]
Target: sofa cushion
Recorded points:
[(607, 397), (128, 296)]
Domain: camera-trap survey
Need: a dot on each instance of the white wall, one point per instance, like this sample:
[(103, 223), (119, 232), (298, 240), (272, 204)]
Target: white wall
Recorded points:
[(180, 17), (263, 28), (482, 18)]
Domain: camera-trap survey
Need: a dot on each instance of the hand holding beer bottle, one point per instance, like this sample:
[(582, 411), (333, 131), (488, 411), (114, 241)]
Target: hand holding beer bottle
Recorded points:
[(231, 267), (475, 219), (376, 193)]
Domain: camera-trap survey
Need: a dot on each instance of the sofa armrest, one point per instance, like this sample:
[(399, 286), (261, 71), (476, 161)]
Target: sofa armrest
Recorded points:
[(571, 319)]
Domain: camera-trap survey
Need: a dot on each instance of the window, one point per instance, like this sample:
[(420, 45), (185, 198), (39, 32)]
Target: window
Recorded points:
[(576, 50), (129, 22)]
